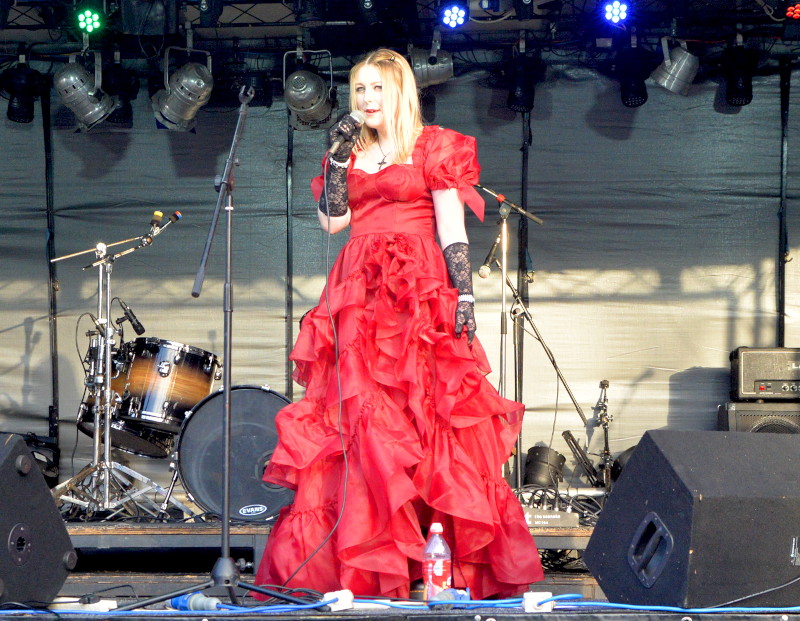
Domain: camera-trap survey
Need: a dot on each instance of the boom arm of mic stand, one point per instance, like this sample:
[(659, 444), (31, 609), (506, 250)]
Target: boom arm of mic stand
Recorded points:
[(547, 351), (226, 186)]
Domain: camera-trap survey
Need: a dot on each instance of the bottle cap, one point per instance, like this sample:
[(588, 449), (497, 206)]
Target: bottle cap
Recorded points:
[(436, 528)]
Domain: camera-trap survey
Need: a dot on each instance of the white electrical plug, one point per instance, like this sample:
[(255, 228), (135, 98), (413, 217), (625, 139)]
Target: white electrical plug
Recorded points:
[(531, 599)]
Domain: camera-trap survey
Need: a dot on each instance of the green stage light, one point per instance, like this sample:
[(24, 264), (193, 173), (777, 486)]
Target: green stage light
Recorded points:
[(89, 21)]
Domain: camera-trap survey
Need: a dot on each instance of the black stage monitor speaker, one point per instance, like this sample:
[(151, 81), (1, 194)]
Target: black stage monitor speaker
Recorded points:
[(36, 553), (702, 518)]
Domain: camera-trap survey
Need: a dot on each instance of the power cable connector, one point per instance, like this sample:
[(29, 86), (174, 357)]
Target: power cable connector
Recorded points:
[(537, 601), (344, 600)]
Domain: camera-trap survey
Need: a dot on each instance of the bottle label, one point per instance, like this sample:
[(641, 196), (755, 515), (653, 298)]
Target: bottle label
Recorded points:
[(438, 576)]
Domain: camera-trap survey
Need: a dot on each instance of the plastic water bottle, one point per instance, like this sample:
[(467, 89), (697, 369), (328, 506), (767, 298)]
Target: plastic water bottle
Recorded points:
[(437, 563)]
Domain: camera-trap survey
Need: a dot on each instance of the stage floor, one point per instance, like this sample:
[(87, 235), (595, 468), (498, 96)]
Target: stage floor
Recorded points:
[(126, 564)]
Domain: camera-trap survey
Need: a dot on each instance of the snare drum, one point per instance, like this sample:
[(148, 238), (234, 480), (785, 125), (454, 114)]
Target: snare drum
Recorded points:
[(126, 437), (201, 454), (162, 380)]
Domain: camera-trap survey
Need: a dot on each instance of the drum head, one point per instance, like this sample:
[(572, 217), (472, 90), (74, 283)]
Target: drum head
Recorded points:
[(253, 439)]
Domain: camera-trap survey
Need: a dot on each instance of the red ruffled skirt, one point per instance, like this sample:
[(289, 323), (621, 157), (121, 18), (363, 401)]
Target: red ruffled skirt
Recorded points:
[(426, 436)]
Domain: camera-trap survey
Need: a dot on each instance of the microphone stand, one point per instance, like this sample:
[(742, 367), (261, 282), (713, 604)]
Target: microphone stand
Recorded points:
[(521, 309), (505, 208), (225, 572)]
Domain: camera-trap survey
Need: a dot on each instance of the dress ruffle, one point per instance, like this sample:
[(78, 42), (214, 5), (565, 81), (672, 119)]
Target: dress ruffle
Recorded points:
[(425, 433), (426, 436)]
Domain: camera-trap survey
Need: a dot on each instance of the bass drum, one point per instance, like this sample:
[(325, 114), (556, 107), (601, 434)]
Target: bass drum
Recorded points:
[(253, 440)]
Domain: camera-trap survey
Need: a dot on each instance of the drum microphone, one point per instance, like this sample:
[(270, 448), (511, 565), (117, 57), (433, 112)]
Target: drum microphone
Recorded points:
[(355, 115), (486, 268), (135, 323)]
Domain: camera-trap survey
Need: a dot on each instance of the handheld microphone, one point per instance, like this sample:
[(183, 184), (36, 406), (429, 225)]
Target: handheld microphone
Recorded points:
[(137, 325), (355, 115), (486, 268)]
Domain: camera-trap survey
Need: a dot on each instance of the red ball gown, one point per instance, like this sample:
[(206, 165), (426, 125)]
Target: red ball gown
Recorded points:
[(426, 435)]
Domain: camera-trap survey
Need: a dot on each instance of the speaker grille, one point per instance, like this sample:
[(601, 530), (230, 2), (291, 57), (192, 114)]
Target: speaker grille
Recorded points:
[(772, 424)]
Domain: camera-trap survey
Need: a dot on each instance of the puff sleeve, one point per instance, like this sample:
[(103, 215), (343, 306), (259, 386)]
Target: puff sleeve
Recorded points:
[(451, 161)]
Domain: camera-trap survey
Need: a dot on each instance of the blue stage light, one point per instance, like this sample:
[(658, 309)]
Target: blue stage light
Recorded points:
[(454, 14), (616, 12)]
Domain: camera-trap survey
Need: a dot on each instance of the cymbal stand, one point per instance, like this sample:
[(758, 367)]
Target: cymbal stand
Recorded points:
[(602, 419), (104, 485)]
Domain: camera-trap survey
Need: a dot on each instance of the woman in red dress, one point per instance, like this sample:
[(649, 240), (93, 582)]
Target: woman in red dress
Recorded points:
[(399, 427)]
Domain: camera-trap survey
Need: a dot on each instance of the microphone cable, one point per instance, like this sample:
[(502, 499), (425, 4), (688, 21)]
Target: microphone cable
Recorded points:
[(340, 404)]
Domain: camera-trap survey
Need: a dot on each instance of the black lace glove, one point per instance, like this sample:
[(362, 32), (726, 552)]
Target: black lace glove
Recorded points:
[(335, 199), (345, 131), (456, 256)]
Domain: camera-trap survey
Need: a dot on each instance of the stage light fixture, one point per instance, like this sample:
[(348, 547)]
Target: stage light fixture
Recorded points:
[(81, 93), (739, 65), (433, 66), (88, 20), (431, 69), (311, 102), (123, 84), (524, 9), (454, 14), (632, 72), (185, 91), (791, 10), (21, 85), (678, 69), (370, 12), (309, 13), (615, 12), (525, 71)]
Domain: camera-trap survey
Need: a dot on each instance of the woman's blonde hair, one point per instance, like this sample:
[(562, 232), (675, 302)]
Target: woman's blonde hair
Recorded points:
[(400, 99)]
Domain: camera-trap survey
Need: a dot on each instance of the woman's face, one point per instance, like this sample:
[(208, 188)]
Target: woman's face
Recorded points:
[(369, 96)]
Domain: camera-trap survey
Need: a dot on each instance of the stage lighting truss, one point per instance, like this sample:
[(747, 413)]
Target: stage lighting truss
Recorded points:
[(311, 102), (21, 85), (82, 93), (185, 91)]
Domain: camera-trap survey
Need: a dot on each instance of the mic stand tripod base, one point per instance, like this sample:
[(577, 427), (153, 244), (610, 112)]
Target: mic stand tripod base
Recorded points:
[(83, 491)]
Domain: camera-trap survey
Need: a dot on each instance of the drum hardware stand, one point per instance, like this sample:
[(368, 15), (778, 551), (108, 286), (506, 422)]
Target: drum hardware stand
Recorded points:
[(91, 489), (225, 572), (603, 418)]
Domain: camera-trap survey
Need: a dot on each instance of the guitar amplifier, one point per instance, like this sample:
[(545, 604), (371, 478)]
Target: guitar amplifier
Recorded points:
[(765, 373)]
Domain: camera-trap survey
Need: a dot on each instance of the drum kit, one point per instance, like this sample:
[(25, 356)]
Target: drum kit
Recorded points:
[(154, 398)]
